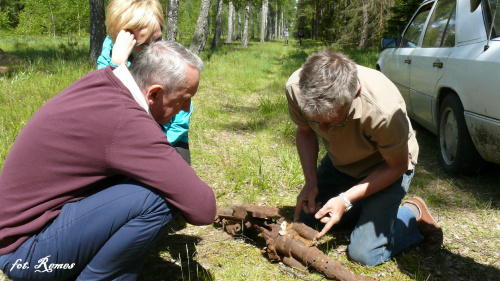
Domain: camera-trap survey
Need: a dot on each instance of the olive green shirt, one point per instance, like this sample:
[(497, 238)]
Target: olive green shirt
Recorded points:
[(377, 125)]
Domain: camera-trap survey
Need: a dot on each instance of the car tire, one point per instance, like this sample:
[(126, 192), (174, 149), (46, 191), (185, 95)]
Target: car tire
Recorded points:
[(458, 154)]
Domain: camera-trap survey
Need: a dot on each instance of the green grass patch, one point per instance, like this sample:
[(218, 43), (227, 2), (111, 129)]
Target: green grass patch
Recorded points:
[(46, 67)]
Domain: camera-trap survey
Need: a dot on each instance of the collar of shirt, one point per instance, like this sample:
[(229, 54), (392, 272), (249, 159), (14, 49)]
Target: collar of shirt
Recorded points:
[(122, 73)]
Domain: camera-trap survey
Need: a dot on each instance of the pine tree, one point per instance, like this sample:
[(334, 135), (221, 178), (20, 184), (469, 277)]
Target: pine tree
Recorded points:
[(401, 12)]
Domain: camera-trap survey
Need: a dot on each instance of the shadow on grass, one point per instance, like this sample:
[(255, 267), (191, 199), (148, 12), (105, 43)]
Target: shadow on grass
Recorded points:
[(255, 118), (182, 248), (444, 265), (43, 59), (173, 256), (43, 48)]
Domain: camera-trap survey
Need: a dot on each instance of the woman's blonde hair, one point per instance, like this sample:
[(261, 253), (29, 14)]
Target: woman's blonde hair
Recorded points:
[(133, 15)]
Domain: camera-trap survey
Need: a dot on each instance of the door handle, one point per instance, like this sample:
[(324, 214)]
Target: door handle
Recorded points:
[(437, 64), (408, 61)]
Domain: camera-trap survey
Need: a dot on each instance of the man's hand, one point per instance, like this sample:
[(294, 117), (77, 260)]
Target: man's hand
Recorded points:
[(124, 43), (330, 214), (307, 147), (306, 200)]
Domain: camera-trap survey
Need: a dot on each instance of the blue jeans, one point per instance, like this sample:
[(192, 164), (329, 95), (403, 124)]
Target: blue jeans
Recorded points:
[(105, 236), (382, 229)]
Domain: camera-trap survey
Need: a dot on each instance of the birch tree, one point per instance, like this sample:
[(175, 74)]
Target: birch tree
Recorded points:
[(218, 25), (282, 25), (201, 31), (230, 16), (259, 14), (263, 23), (171, 28), (251, 20), (363, 41), (276, 36), (238, 34), (269, 32), (244, 40)]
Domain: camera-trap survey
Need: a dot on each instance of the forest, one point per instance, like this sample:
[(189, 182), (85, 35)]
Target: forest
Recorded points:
[(346, 23)]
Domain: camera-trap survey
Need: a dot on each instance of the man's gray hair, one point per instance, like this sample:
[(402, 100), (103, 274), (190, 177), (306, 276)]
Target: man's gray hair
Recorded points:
[(164, 63), (328, 84)]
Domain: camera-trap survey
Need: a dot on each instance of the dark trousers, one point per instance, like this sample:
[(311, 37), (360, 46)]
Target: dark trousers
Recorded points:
[(183, 149), (382, 229), (106, 236)]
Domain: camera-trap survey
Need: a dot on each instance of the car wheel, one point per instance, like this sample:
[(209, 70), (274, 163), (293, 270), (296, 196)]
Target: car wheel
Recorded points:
[(458, 154)]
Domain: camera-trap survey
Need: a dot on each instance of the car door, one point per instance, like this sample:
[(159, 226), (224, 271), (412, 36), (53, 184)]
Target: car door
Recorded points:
[(400, 63), (429, 61)]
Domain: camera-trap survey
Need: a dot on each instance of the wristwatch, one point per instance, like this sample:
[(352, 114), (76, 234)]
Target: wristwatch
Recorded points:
[(348, 204)]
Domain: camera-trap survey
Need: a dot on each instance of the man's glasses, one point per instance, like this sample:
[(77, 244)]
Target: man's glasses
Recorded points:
[(329, 124)]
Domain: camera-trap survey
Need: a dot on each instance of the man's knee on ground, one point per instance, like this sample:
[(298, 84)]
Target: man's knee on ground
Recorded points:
[(364, 256)]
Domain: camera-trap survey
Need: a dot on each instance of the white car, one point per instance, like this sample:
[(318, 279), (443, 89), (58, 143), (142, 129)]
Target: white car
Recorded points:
[(447, 66)]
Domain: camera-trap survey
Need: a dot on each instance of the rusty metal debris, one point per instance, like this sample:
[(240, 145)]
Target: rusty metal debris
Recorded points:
[(292, 243)]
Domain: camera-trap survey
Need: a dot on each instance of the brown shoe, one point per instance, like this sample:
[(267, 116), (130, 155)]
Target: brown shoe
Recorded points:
[(433, 234)]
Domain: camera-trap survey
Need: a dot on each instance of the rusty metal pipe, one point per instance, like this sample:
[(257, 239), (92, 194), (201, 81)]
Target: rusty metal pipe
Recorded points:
[(301, 249), (292, 243), (305, 231)]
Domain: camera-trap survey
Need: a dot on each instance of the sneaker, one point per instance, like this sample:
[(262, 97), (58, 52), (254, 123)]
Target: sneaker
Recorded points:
[(433, 234)]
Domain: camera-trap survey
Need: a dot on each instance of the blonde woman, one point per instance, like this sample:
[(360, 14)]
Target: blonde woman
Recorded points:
[(132, 25)]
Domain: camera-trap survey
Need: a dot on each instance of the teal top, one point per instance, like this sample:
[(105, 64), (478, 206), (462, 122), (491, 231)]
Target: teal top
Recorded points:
[(177, 129)]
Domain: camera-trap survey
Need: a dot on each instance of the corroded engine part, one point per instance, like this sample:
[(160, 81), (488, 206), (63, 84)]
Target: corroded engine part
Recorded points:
[(291, 243)]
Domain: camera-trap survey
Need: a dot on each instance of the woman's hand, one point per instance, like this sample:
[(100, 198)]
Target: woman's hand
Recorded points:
[(124, 44)]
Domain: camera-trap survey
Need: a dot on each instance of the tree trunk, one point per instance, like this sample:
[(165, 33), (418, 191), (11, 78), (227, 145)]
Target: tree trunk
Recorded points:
[(315, 29), (282, 23), (263, 21), (171, 28), (235, 31), (200, 31), (97, 28), (244, 40), (251, 20), (53, 21), (364, 28), (238, 35), (382, 24), (229, 38), (218, 25), (79, 24), (259, 14), (276, 32), (269, 22), (208, 26)]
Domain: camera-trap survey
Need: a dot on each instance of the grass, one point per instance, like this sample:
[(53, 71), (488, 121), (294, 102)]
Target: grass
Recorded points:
[(48, 66), (242, 144)]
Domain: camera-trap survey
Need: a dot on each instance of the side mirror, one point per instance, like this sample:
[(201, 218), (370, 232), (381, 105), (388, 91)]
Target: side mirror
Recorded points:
[(389, 42)]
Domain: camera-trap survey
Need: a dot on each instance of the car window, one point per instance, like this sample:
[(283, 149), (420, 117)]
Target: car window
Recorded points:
[(414, 30), (491, 9), (449, 35), (441, 25)]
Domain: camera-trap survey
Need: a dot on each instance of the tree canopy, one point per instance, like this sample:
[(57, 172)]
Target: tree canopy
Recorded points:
[(353, 23), (350, 23)]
